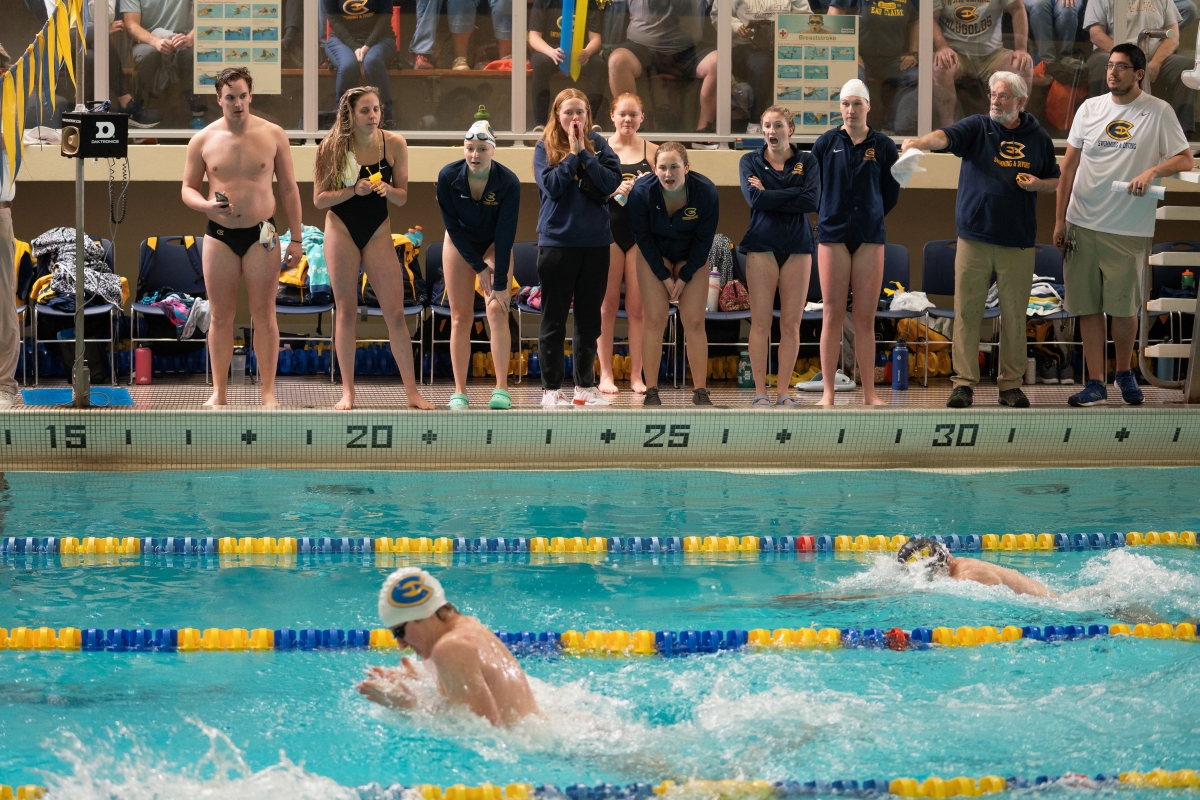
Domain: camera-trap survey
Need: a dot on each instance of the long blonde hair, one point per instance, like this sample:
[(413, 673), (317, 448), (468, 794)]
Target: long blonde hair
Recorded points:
[(557, 143), (331, 155)]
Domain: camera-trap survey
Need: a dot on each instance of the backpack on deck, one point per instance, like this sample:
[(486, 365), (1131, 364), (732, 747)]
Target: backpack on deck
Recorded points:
[(410, 270)]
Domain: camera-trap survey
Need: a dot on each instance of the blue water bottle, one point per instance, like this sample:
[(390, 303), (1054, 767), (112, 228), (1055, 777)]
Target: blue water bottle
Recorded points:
[(900, 367)]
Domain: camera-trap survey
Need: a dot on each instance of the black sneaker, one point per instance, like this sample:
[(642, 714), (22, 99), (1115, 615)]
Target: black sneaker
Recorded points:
[(1014, 398), (961, 397), (652, 398), (700, 398), (140, 117)]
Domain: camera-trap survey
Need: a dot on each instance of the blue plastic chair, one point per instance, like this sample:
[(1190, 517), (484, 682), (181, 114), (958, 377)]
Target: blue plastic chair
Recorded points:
[(170, 267), (113, 312)]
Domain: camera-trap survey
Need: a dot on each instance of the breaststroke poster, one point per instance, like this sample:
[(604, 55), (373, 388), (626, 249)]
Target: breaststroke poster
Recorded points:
[(815, 54), (233, 33)]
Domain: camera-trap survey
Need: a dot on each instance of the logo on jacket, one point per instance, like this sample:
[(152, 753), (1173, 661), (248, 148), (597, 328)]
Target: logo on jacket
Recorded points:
[(798, 169), (690, 213), (354, 8), (1012, 150), (869, 155), (966, 14), (410, 591), (489, 199), (1119, 129)]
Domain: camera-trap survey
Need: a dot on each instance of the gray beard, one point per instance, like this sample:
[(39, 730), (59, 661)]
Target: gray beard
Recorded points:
[(1003, 119)]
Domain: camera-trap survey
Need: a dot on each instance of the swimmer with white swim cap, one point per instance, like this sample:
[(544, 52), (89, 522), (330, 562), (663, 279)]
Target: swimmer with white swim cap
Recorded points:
[(934, 557), (474, 668)]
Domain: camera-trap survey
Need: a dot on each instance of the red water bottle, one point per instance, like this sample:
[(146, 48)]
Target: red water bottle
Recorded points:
[(143, 365)]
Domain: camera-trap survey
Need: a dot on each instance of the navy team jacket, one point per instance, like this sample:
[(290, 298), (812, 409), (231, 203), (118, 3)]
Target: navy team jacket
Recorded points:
[(491, 218), (778, 212), (857, 187), (686, 236)]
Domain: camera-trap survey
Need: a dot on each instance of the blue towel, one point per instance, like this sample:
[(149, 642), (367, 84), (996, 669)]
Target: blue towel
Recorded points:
[(101, 396)]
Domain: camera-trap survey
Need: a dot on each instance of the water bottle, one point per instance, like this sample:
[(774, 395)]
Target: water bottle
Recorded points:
[(416, 236), (238, 366), (900, 366), (1187, 280), (714, 290)]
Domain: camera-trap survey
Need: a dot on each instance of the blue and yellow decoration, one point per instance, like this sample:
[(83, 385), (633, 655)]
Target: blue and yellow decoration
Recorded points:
[(34, 75), (574, 31)]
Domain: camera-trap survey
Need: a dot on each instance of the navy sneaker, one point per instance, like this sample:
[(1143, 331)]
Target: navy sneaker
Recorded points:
[(1094, 394), (1131, 393)]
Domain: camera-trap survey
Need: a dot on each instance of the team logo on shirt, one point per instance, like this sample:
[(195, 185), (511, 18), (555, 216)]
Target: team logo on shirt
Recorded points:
[(1012, 150), (690, 213), (869, 155), (966, 14), (1119, 129), (489, 199), (798, 169), (354, 8)]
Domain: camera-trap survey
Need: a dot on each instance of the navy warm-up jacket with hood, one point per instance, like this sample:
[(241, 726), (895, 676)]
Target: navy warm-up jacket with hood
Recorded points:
[(778, 212), (567, 217), (687, 236), (857, 187), (491, 218)]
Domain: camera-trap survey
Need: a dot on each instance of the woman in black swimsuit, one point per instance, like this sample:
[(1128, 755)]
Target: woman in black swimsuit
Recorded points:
[(358, 230), (627, 116)]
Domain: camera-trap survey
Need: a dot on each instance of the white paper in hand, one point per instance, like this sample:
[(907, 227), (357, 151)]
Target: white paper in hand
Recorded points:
[(907, 165), (1152, 192)]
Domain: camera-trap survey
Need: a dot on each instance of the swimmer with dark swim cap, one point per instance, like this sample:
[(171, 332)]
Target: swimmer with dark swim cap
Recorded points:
[(473, 667), (936, 559)]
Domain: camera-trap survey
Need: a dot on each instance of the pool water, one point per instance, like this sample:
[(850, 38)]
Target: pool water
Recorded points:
[(290, 723)]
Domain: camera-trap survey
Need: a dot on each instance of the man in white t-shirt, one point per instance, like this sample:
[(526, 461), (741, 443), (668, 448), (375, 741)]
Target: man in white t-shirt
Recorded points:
[(1163, 65), (967, 45), (1129, 136)]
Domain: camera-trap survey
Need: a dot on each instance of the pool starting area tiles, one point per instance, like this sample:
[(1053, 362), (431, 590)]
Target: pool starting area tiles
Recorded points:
[(168, 429)]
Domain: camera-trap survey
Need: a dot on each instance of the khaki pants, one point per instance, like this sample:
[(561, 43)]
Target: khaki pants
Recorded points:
[(10, 329), (973, 266)]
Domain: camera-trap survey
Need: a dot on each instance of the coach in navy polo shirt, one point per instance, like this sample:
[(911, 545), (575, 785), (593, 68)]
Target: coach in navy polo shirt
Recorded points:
[(1007, 160)]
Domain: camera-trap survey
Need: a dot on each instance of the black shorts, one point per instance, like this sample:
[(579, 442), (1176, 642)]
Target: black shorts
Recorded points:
[(683, 63), (239, 240)]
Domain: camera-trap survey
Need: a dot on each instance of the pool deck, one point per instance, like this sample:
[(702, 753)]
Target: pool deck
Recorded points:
[(168, 428)]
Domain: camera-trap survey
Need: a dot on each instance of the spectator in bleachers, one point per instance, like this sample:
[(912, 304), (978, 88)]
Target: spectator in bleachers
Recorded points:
[(1129, 136), (967, 45), (753, 54), (10, 330), (1007, 160), (548, 51), (1187, 12), (1163, 65), (461, 18), (1052, 26), (665, 36), (887, 53), (360, 46), (162, 52), (118, 50)]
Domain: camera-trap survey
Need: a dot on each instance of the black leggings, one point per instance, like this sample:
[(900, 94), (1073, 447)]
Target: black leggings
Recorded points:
[(581, 274)]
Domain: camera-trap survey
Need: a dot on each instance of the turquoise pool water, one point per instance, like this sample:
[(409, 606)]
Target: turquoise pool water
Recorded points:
[(290, 724)]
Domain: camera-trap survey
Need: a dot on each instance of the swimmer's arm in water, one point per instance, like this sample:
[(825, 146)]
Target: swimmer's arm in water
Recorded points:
[(385, 685), (971, 569), (460, 677), (791, 598)]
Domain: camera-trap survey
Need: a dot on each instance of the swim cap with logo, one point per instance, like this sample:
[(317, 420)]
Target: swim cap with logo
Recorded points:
[(922, 549), (481, 131), (409, 594)]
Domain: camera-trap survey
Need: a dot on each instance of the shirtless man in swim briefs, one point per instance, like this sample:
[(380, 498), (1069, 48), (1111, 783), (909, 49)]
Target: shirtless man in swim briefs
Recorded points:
[(240, 154), (474, 669)]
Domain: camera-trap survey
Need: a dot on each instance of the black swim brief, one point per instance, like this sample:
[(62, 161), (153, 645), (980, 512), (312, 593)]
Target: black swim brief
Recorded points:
[(239, 240)]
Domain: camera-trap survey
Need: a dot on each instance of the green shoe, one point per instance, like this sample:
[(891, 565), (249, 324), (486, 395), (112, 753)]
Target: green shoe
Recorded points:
[(501, 400), (458, 402)]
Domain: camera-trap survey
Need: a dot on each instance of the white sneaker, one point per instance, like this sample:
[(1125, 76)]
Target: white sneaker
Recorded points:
[(590, 397), (7, 399), (554, 398)]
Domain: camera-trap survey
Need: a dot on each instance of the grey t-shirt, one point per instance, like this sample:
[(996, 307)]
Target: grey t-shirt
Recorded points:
[(971, 27), (666, 26), (167, 15), (1142, 14)]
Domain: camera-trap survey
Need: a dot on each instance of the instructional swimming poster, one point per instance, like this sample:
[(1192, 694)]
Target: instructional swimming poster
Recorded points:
[(815, 54), (232, 33)]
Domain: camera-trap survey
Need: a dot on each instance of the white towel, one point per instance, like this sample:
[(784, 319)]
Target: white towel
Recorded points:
[(907, 165), (910, 301)]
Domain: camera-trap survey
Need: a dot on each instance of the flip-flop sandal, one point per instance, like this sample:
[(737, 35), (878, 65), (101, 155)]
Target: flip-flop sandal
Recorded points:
[(458, 402), (760, 400), (786, 400), (501, 400), (840, 383)]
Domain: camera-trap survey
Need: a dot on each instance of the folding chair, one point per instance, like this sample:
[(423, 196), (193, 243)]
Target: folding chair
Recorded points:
[(434, 274), (165, 262), (418, 310), (937, 277), (113, 311)]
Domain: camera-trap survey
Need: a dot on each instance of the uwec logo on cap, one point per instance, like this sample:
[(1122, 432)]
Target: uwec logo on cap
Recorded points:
[(1119, 129), (409, 591)]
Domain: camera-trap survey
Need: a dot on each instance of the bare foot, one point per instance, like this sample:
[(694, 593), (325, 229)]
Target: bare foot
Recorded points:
[(608, 386), (347, 401), (269, 401), (873, 400), (826, 400), (216, 400), (638, 387), (416, 400)]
